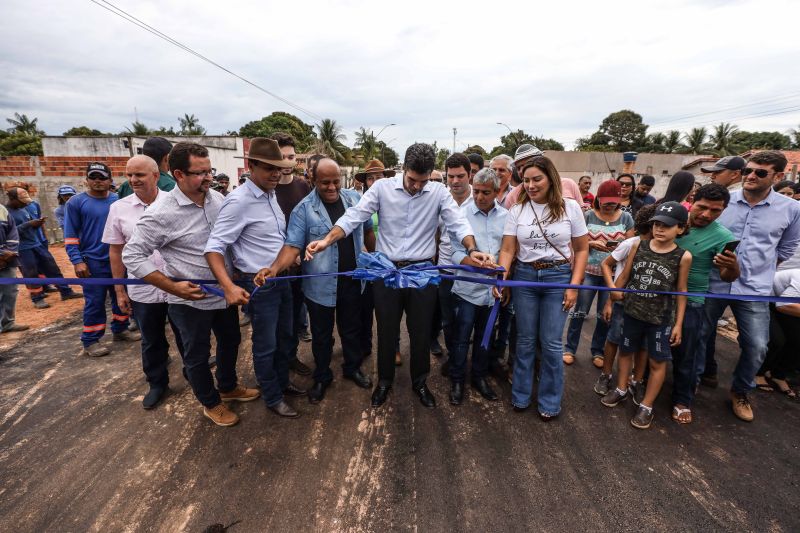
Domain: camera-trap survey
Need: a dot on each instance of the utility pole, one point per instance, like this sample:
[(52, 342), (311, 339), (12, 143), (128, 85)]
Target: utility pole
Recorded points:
[(454, 139)]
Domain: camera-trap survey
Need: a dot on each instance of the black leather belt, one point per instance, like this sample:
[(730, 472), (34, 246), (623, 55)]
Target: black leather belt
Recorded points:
[(403, 264)]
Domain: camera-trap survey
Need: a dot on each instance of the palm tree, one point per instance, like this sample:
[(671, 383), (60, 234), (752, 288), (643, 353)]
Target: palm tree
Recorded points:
[(22, 124), (138, 128), (696, 140), (672, 141), (366, 143), (331, 139), (722, 138), (190, 125)]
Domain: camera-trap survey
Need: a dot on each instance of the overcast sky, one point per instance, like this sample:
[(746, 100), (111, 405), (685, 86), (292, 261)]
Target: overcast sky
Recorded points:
[(554, 69)]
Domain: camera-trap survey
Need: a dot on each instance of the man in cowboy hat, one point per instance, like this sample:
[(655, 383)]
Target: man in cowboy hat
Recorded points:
[(373, 171), (252, 227), (328, 298)]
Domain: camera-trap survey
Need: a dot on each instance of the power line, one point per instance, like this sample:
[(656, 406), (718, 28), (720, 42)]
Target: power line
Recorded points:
[(758, 114), (681, 118), (143, 25)]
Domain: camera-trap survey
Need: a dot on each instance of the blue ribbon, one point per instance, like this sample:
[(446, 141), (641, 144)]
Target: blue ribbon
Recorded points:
[(375, 266)]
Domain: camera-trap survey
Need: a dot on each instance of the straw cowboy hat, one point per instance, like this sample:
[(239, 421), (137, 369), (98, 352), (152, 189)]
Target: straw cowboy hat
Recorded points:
[(374, 166), (266, 151)]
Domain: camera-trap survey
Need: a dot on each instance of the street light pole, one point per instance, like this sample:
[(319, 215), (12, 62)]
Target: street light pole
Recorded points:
[(454, 139), (383, 128), (511, 133)]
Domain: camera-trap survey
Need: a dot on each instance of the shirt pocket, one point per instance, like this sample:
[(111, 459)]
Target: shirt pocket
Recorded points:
[(318, 231)]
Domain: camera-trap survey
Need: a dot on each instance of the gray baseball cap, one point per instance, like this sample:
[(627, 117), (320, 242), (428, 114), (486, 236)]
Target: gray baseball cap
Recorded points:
[(731, 162)]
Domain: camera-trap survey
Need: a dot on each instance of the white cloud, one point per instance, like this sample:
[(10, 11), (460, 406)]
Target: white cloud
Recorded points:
[(552, 69)]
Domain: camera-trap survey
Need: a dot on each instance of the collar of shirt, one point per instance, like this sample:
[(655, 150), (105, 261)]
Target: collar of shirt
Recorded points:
[(476, 210), (135, 200), (398, 185), (738, 197), (257, 191), (184, 200)]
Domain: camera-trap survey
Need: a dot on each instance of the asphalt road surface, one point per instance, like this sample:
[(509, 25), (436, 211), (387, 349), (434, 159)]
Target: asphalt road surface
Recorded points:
[(78, 453)]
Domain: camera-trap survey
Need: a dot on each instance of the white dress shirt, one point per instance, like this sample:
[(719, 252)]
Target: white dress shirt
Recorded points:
[(445, 247), (407, 223), (122, 218), (179, 229), (252, 224)]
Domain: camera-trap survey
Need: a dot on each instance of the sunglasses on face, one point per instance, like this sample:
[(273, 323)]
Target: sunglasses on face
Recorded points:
[(760, 172), (625, 184), (98, 177)]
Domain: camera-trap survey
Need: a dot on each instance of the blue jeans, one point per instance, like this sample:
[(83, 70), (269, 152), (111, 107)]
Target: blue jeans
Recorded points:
[(271, 311), (8, 298), (582, 307), (37, 261), (540, 319), (195, 326), (470, 321), (752, 320), (686, 355)]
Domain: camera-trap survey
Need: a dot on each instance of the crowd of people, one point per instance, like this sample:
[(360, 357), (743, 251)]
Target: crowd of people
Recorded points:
[(173, 223)]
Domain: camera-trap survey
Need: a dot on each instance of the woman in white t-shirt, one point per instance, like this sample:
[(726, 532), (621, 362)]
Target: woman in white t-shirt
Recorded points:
[(539, 231)]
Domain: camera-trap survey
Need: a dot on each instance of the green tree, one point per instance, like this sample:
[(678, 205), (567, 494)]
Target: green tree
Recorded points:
[(509, 143), (596, 142), (722, 139), (190, 125), (366, 144), (672, 142), (655, 143), (280, 121), (82, 131), (164, 131), (695, 140), (137, 128), (624, 129), (20, 144), (766, 140), (441, 155), (477, 149), (795, 136), (24, 125), (387, 155), (330, 140)]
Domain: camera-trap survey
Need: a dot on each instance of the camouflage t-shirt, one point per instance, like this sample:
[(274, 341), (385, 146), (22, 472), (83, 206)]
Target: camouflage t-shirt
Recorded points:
[(653, 271)]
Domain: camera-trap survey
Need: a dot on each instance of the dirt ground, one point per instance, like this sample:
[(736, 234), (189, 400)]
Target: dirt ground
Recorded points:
[(41, 319), (78, 453)]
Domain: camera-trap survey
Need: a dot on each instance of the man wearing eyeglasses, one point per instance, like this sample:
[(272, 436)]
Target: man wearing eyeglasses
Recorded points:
[(84, 220), (768, 226), (178, 226)]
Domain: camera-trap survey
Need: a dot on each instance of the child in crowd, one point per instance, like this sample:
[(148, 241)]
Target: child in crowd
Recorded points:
[(657, 264), (612, 267)]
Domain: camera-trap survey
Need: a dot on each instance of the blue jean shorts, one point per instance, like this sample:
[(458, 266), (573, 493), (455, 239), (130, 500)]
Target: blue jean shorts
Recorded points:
[(637, 333), (615, 326)]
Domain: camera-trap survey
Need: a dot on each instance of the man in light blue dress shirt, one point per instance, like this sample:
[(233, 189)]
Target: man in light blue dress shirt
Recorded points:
[(473, 302), (409, 208), (329, 298), (252, 227), (768, 226)]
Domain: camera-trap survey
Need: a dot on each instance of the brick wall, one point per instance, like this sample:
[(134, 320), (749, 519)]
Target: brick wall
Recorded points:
[(50, 173)]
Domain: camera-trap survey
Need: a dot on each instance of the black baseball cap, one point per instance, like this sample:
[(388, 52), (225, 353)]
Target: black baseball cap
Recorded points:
[(731, 162), (671, 214), (96, 167)]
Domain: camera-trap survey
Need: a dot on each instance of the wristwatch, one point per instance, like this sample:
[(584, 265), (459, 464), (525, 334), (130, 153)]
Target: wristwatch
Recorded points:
[(469, 252)]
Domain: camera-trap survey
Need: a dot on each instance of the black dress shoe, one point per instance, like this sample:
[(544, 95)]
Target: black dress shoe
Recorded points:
[(294, 390), (360, 379), (285, 410), (482, 386), (317, 392), (153, 397), (380, 394), (456, 393), (425, 396), (299, 368)]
